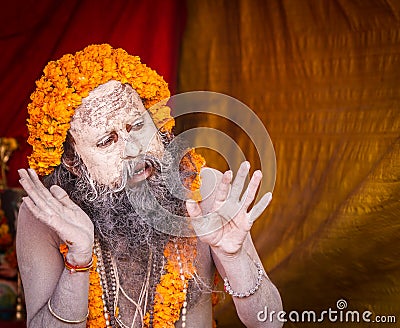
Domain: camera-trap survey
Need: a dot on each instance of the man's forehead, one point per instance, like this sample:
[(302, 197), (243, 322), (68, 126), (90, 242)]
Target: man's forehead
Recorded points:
[(105, 101)]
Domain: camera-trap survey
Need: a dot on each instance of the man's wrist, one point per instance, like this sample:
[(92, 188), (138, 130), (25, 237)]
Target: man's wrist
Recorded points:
[(228, 257), (78, 268), (78, 259)]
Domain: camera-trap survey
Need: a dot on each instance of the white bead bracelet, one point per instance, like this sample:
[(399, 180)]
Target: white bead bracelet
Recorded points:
[(230, 291)]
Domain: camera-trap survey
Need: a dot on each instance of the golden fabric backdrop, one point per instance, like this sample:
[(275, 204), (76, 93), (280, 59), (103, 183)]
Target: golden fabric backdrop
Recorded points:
[(324, 77)]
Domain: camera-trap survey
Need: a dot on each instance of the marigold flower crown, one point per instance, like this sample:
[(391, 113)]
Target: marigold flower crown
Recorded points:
[(67, 80)]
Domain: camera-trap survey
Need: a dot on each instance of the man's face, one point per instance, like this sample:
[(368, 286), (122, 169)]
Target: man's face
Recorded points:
[(112, 127)]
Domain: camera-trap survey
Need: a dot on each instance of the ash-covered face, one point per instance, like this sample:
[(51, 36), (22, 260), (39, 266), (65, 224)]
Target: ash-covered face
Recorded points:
[(112, 127)]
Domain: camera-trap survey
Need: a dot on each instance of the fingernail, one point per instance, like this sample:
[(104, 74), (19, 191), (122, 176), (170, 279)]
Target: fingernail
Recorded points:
[(258, 172), (32, 171), (19, 172)]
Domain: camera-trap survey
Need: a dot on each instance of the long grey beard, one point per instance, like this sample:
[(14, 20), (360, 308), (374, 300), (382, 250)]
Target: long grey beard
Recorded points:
[(137, 219), (133, 220)]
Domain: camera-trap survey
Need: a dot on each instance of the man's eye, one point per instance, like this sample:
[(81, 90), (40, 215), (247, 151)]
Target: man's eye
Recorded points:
[(108, 141), (137, 125)]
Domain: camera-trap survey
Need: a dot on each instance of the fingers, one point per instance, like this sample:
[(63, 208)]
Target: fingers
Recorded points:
[(193, 208), (40, 195), (239, 181), (61, 195), (36, 190), (31, 188), (35, 179), (198, 221), (258, 208), (227, 198), (51, 220), (252, 188), (202, 224), (222, 190), (32, 207)]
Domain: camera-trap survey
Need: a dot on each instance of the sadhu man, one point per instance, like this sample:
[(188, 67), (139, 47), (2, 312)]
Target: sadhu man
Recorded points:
[(97, 242)]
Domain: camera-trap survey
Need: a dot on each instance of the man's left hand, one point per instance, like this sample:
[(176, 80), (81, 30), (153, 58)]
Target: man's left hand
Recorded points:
[(225, 228)]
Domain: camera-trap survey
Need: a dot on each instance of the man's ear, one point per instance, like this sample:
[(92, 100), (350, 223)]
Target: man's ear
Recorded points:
[(71, 165), (70, 159)]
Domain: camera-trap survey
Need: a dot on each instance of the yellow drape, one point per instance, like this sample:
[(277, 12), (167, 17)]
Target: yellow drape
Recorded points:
[(324, 76)]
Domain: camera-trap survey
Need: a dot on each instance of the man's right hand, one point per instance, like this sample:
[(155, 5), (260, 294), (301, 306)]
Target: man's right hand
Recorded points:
[(54, 208)]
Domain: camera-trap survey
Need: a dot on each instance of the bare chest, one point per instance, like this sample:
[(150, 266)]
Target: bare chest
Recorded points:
[(141, 292)]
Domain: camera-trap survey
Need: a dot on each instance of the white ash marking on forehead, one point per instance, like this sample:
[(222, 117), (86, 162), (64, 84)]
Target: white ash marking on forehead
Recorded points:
[(107, 98)]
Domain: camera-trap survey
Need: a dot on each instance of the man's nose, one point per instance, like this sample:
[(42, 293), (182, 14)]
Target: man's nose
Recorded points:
[(133, 148)]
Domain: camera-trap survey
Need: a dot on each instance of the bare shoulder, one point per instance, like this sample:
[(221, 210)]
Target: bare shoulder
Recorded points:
[(33, 236), (24, 214), (27, 223)]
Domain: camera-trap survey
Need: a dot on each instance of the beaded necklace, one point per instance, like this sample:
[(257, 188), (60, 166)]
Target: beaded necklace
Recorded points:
[(168, 299)]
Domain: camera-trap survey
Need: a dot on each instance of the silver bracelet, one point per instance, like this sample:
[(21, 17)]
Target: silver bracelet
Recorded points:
[(230, 291), (62, 319)]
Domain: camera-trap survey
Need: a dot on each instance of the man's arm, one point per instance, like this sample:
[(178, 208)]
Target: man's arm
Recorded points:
[(46, 219), (231, 245), (44, 276), (242, 275)]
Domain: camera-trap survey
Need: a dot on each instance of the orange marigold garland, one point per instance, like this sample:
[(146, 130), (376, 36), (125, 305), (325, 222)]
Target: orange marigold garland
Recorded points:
[(171, 291), (96, 317), (192, 162)]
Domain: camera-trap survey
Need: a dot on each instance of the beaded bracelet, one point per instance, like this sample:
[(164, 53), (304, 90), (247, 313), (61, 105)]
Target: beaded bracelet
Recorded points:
[(62, 319), (230, 291), (77, 268)]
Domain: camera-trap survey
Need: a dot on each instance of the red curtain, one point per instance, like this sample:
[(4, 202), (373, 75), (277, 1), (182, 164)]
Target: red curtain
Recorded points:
[(35, 32)]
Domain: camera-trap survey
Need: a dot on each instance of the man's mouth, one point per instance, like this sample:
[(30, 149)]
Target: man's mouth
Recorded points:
[(139, 172)]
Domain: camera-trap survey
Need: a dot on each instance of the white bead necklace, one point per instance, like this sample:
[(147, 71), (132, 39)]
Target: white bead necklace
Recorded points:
[(111, 289), (184, 306)]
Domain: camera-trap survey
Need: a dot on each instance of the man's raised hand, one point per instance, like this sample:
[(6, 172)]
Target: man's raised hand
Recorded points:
[(226, 227), (54, 208)]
